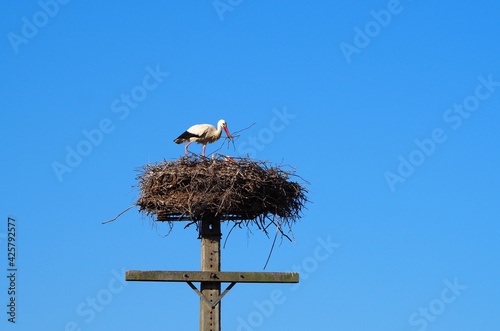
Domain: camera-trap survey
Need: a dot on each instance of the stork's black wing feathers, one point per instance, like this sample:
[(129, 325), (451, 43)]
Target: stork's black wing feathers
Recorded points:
[(185, 137)]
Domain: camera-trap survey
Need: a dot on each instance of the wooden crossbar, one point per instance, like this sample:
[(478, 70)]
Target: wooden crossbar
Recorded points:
[(212, 276)]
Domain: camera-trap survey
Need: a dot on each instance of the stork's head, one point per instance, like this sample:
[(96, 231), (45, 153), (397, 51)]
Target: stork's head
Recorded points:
[(223, 124)]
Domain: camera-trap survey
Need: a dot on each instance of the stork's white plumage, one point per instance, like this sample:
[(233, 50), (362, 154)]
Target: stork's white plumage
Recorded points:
[(202, 134)]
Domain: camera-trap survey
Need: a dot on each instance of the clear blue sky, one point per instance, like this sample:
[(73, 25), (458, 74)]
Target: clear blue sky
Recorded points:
[(389, 109)]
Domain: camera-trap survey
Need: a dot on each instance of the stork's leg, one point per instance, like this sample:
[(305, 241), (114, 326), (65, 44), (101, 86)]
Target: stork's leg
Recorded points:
[(186, 148), (203, 150)]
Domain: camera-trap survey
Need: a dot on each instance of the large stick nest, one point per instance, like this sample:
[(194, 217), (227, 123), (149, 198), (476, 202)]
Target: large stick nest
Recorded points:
[(237, 189)]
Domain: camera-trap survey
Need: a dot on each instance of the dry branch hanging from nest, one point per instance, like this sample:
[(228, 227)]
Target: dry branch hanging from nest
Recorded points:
[(238, 190)]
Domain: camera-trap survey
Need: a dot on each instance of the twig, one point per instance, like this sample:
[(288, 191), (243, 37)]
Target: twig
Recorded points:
[(248, 127), (278, 227), (170, 227), (189, 224), (123, 212), (232, 228), (234, 136), (271, 251)]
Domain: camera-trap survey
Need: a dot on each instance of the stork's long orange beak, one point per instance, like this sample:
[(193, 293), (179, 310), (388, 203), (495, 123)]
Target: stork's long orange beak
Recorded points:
[(227, 132)]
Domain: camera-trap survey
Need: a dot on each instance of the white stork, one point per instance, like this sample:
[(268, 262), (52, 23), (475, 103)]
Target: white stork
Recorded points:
[(202, 134)]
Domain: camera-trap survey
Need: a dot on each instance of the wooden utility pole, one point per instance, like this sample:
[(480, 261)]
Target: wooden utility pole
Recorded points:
[(211, 276), (210, 261)]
